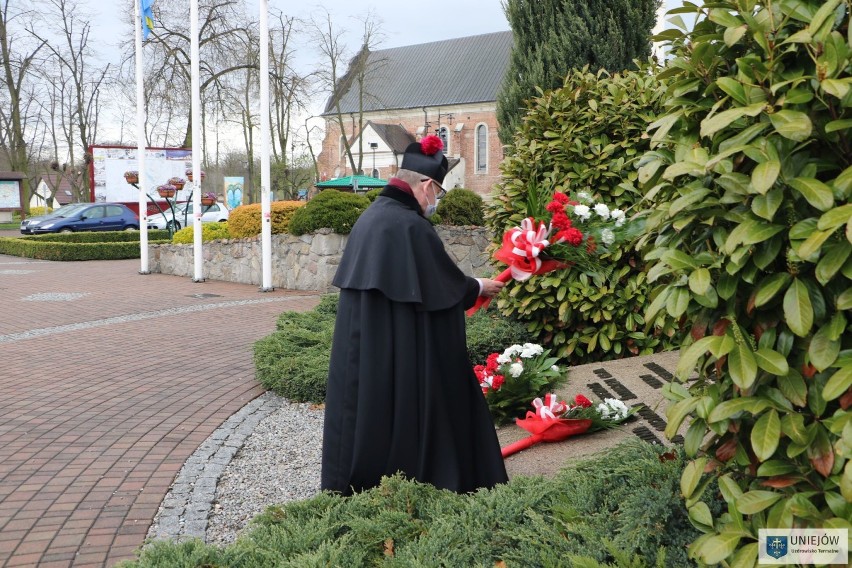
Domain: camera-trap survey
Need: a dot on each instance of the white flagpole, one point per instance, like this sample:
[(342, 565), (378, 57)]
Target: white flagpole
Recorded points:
[(265, 207), (140, 145), (195, 86)]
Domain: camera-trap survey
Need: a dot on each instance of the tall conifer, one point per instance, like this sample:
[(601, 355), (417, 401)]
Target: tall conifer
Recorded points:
[(554, 36)]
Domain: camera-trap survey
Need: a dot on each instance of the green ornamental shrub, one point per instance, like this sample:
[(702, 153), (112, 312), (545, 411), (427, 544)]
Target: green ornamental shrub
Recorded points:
[(331, 209), (209, 232), (750, 244), (461, 207), (584, 137), (244, 221), (621, 508)]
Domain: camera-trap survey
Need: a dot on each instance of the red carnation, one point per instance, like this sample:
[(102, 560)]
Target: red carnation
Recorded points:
[(571, 235), (582, 401), (560, 197), (554, 206), (431, 145), (560, 220), (497, 382)]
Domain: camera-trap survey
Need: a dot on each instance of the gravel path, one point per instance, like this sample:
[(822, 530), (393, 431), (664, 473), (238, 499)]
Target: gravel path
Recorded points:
[(279, 462)]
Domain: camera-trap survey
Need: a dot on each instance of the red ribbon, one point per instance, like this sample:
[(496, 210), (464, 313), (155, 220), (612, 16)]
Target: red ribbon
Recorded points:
[(546, 430)]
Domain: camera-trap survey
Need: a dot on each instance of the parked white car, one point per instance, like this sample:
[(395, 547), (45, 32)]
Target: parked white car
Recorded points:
[(215, 213)]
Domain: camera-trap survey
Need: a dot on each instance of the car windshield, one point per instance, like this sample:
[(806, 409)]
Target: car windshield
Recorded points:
[(67, 210)]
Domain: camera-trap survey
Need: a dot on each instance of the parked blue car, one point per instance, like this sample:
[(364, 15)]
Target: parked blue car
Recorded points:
[(83, 217)]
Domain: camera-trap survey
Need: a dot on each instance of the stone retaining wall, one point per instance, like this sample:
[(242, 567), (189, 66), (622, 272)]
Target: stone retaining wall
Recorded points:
[(307, 262)]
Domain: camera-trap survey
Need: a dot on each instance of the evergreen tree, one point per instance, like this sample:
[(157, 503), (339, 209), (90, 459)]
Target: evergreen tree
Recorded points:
[(554, 36)]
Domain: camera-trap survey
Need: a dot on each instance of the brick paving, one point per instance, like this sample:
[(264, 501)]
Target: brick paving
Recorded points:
[(109, 381)]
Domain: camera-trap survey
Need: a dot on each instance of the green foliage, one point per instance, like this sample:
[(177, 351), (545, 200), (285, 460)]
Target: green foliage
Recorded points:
[(584, 137), (373, 194), (461, 207), (487, 330), (293, 360), (244, 221), (621, 505), (554, 37), (209, 232), (750, 242), (87, 245), (332, 209)]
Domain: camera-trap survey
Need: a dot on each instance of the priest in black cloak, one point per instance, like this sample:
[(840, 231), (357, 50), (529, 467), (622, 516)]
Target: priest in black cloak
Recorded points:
[(402, 395)]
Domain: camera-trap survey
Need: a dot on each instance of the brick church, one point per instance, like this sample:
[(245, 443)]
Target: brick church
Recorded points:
[(448, 88)]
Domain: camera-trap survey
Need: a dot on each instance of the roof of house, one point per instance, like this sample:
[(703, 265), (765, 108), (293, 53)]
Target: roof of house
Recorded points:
[(63, 191), (394, 135), (450, 72), (348, 181)]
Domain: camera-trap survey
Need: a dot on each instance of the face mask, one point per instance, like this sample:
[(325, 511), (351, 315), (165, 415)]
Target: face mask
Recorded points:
[(430, 207)]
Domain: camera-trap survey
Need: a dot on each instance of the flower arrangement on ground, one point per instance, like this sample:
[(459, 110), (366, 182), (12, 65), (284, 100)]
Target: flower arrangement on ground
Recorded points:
[(577, 231), (510, 379), (555, 420)]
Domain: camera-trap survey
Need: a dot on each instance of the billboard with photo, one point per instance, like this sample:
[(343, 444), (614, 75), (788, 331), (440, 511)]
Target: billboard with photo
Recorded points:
[(109, 163)]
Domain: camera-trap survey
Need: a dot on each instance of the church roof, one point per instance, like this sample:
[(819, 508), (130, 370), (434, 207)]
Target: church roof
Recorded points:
[(440, 73)]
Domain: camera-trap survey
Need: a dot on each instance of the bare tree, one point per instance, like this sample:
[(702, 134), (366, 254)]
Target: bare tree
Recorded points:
[(339, 82), (19, 58)]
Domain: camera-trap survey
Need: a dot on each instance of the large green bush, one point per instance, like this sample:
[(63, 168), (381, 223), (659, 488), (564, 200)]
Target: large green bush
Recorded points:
[(461, 207), (619, 509), (209, 232), (751, 244), (331, 209), (584, 137), (85, 245)]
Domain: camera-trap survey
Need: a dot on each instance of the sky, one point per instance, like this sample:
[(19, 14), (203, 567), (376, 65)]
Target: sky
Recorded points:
[(401, 23)]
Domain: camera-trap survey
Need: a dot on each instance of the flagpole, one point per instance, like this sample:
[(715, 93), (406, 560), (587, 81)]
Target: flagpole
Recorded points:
[(265, 206), (195, 86), (140, 145)]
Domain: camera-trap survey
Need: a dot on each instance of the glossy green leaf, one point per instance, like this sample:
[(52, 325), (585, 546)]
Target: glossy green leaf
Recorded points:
[(676, 413), (838, 383), (793, 426), (677, 302), (844, 300), (746, 556), (757, 500), (771, 362), (813, 243), (836, 125), (798, 310), (700, 513), (699, 281), (764, 175), (728, 408), (817, 193), (733, 88), (823, 350), (766, 434), (792, 124), (742, 366), (718, 547), (717, 122), (770, 286), (691, 476), (832, 261), (765, 206), (835, 217)]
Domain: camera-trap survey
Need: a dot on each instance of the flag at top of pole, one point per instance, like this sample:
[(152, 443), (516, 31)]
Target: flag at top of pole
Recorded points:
[(146, 7)]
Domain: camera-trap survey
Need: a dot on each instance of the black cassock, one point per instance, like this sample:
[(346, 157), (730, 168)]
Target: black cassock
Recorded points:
[(402, 395)]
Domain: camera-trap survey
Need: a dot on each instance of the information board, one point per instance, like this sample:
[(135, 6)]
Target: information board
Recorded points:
[(110, 162)]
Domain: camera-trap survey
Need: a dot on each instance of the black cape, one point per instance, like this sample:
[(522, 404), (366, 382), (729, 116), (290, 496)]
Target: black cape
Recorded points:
[(402, 396)]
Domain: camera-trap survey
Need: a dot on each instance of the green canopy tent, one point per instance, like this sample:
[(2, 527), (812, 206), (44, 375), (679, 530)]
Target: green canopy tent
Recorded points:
[(352, 183)]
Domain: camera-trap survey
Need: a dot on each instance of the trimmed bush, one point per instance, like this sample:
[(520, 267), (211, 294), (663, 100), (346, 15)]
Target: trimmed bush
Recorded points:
[(331, 209), (244, 221), (373, 194), (750, 242), (488, 331), (88, 245), (622, 507), (209, 232), (583, 137), (461, 207)]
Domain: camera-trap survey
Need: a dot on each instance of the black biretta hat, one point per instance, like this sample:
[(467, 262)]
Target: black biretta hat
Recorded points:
[(425, 157)]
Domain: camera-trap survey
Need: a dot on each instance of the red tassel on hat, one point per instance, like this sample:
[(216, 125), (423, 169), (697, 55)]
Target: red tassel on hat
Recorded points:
[(431, 145)]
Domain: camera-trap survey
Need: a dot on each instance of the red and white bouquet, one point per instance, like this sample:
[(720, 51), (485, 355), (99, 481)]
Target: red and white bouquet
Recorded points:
[(511, 378), (577, 231), (555, 420)]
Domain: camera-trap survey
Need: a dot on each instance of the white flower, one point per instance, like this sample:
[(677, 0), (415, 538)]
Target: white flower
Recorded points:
[(516, 369), (555, 368), (582, 211), (583, 196), (531, 350), (612, 409), (509, 353), (602, 210), (607, 237), (617, 216)]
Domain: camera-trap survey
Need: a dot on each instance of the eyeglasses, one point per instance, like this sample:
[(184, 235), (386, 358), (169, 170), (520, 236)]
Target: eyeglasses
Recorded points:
[(441, 191)]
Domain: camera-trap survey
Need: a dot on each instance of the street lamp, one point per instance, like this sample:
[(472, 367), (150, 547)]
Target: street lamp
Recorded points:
[(373, 146)]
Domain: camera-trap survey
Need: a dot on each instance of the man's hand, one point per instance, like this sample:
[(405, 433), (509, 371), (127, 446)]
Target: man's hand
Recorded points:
[(490, 288)]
